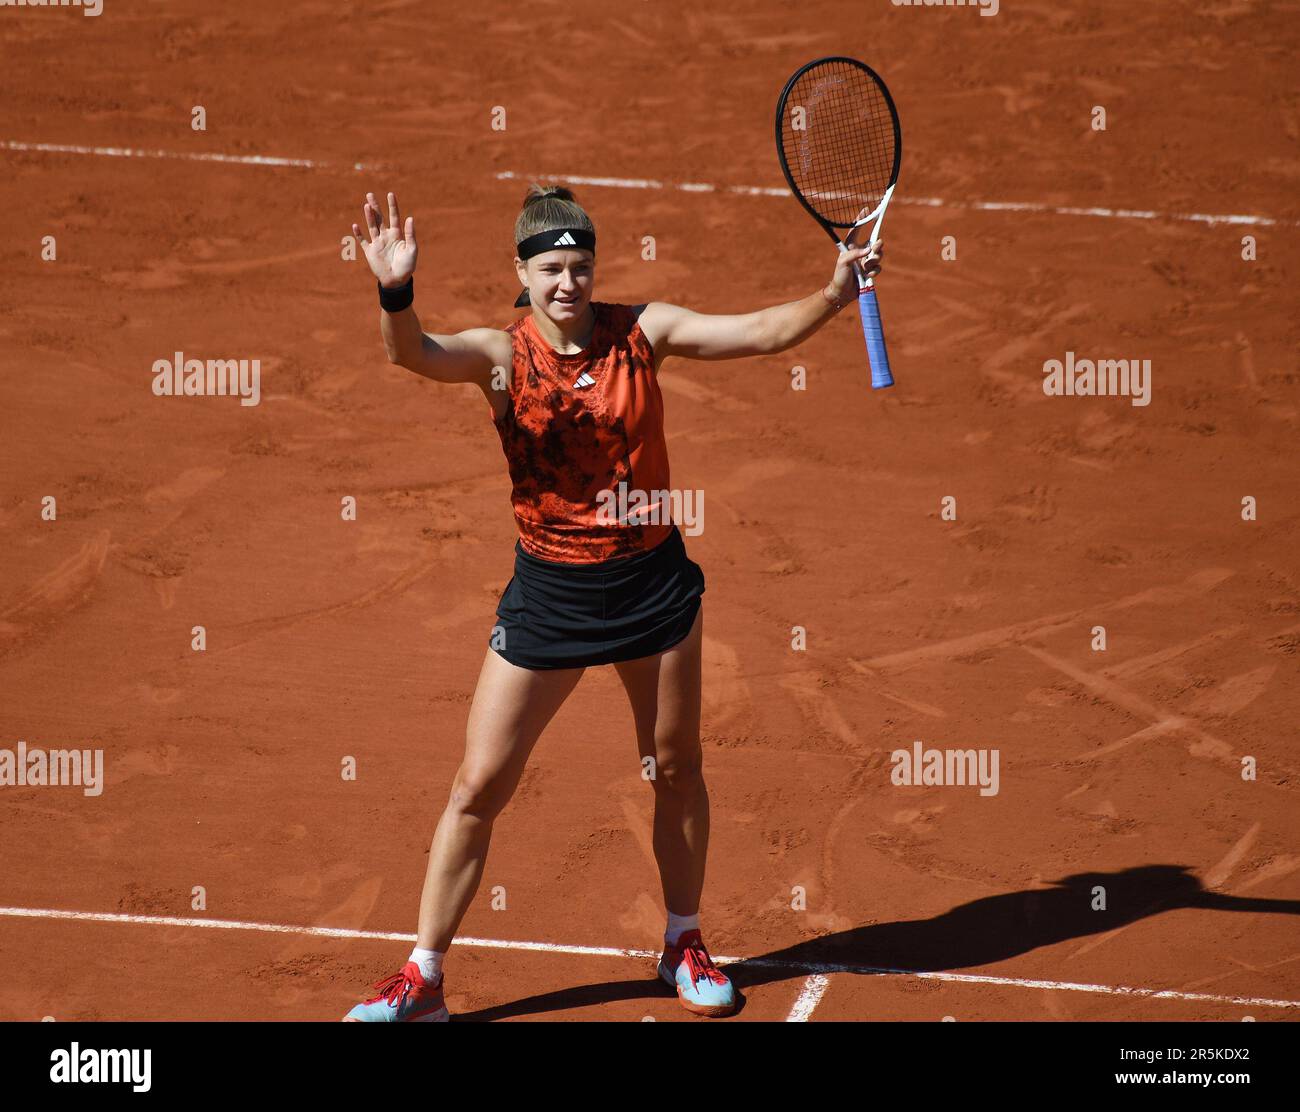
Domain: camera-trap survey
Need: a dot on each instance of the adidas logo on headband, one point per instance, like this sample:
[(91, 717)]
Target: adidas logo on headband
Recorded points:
[(565, 240)]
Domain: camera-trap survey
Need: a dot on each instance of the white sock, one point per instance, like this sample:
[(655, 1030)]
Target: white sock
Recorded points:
[(677, 924), (430, 963)]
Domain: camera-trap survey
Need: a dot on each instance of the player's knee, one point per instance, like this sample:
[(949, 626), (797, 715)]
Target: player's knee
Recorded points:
[(680, 774), (479, 795)]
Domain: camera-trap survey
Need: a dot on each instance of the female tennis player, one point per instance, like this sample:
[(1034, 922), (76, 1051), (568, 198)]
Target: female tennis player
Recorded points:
[(574, 396)]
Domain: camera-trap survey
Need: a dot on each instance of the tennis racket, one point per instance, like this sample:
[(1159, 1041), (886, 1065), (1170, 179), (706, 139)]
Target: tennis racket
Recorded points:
[(840, 144)]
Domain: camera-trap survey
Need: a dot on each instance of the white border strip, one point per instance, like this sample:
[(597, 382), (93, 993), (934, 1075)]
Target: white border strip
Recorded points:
[(135, 152), (814, 988), (928, 202), (650, 183), (805, 967)]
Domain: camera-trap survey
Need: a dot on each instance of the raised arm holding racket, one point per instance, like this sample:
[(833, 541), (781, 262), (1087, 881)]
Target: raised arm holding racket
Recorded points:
[(840, 144)]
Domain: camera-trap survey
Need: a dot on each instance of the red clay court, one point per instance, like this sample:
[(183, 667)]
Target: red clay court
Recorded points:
[(329, 639)]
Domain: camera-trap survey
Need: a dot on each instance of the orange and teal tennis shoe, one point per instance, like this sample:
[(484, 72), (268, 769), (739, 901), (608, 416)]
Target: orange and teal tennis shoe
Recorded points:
[(403, 998), (701, 986)]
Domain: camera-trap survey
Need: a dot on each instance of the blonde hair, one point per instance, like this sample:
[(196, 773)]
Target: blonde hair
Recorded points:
[(547, 209)]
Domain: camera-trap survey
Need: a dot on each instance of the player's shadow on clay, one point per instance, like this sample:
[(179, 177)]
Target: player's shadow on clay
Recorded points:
[(979, 933)]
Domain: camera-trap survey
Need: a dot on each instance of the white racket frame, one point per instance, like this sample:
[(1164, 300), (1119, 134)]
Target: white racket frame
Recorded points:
[(878, 215)]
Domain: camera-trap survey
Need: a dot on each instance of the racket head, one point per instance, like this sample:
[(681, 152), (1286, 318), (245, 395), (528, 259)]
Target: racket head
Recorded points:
[(841, 163)]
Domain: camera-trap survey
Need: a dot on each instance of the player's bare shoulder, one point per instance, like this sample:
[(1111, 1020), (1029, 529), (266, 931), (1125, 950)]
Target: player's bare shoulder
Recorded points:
[(494, 374), (655, 318), (497, 346), (471, 355)]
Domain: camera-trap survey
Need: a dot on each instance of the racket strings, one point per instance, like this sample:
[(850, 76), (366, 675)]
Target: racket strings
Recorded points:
[(842, 159)]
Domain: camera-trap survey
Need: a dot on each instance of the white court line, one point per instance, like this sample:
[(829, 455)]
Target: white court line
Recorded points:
[(685, 186), (135, 152), (316, 932), (814, 988), (805, 967), (903, 199)]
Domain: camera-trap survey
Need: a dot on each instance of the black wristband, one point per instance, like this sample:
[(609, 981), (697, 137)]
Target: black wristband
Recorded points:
[(398, 298)]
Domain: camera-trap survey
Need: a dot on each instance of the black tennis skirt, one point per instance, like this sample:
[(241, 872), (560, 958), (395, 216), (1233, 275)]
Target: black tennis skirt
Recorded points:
[(554, 615)]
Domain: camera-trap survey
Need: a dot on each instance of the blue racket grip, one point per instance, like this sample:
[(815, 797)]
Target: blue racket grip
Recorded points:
[(875, 334)]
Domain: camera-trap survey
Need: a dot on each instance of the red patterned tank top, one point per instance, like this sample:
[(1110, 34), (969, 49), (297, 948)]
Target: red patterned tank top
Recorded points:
[(579, 431)]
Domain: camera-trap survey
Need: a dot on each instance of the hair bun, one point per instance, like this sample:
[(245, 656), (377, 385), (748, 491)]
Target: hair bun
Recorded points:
[(540, 193)]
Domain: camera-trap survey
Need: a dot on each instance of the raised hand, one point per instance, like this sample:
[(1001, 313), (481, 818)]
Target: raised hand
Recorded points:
[(390, 250), (844, 282)]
